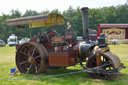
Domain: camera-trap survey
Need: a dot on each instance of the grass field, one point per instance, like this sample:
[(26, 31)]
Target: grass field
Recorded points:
[(7, 61)]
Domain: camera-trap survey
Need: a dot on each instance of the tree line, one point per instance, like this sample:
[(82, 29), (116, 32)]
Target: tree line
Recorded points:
[(112, 14)]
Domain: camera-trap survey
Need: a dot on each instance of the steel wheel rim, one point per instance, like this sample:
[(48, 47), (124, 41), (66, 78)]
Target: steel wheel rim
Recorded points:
[(106, 64), (29, 59)]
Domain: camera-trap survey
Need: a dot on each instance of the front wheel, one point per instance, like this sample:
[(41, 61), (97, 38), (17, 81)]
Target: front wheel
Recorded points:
[(109, 63)]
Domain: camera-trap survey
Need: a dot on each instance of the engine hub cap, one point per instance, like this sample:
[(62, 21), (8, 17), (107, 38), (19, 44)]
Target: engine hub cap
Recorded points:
[(30, 59)]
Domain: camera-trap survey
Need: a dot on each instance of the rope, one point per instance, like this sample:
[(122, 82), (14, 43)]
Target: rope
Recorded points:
[(89, 70)]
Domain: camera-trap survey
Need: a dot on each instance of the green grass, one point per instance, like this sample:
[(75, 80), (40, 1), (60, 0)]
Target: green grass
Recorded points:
[(7, 61)]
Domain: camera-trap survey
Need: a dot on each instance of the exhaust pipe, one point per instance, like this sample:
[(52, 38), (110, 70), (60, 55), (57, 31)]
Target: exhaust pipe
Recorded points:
[(85, 24)]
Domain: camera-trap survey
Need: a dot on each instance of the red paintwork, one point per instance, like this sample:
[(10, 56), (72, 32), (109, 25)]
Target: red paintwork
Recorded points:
[(93, 35), (99, 30), (126, 33), (48, 43), (113, 25), (62, 58), (98, 57), (68, 37), (34, 39), (58, 39), (62, 50), (51, 34)]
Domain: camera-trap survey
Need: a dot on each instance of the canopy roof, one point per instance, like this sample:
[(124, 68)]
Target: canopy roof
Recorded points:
[(38, 21)]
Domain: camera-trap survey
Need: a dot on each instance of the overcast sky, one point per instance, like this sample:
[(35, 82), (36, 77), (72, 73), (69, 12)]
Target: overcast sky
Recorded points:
[(39, 5)]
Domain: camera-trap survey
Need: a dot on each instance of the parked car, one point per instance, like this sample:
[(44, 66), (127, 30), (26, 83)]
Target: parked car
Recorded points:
[(79, 38), (24, 40), (2, 43), (12, 40)]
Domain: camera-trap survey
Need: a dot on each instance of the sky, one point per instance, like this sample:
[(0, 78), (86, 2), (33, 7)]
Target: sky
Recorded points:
[(40, 5)]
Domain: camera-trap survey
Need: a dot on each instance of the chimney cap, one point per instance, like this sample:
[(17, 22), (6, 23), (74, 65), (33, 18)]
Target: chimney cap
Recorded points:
[(84, 8)]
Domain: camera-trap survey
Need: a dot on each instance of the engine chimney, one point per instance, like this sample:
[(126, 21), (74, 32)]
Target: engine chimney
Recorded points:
[(85, 24)]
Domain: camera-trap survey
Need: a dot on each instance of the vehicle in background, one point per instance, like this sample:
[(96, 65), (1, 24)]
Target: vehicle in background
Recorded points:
[(24, 40), (115, 41), (93, 35), (12, 40), (2, 43), (79, 38)]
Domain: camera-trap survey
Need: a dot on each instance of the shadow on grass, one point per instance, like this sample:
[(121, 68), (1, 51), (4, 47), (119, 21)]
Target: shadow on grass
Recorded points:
[(49, 77), (59, 76)]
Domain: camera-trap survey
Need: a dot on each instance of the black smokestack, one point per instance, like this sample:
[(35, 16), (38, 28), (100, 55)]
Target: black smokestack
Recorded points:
[(85, 23)]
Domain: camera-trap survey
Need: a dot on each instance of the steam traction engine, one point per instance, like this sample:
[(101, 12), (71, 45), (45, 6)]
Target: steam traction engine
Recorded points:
[(49, 49)]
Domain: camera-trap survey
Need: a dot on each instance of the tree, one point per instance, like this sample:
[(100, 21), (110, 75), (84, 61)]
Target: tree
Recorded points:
[(96, 16), (15, 13), (56, 11), (30, 13)]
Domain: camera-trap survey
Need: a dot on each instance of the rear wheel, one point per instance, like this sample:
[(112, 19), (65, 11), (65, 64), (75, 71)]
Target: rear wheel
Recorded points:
[(31, 58)]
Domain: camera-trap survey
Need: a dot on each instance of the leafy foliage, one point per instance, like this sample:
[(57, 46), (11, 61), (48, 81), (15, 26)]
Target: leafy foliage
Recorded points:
[(97, 16)]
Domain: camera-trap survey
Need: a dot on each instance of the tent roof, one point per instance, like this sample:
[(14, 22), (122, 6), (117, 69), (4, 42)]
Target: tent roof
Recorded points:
[(113, 25)]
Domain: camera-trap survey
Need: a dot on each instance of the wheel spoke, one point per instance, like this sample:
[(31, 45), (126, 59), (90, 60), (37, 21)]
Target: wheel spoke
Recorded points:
[(29, 68), (36, 68), (37, 57), (29, 48), (24, 53), (109, 68), (106, 65), (29, 58), (33, 51), (37, 63), (29, 53), (103, 59), (23, 62)]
